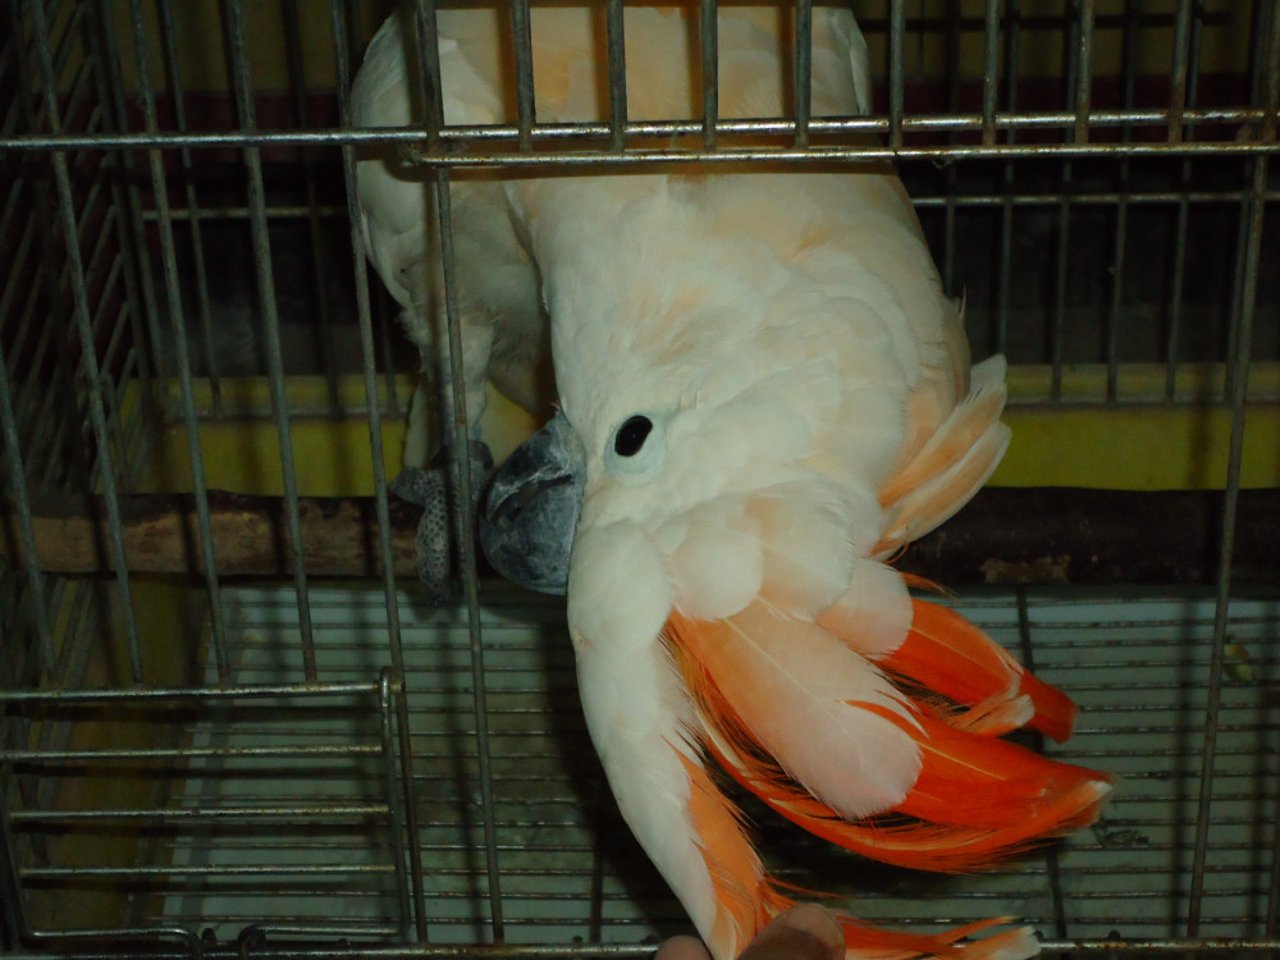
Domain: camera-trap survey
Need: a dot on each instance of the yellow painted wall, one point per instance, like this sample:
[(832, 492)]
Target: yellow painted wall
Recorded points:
[(333, 456), (1137, 445)]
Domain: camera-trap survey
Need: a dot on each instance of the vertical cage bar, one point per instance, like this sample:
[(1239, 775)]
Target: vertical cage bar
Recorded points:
[(1237, 285), (1272, 915), (44, 442), (1084, 70), (177, 96), (1073, 46), (20, 495), (131, 229), (1231, 495), (709, 41), (360, 269), (1132, 14), (595, 900), (990, 70), (30, 410), (93, 389), (897, 69), (1257, 84), (1060, 293), (12, 906), (417, 878), (429, 55), (803, 69), (1178, 71), (177, 321), (615, 31), (522, 35), (233, 13), (1011, 59), (394, 802), (458, 450), (315, 231), (954, 19), (458, 446), (19, 251), (1269, 69), (1181, 229), (1052, 866), (387, 330)]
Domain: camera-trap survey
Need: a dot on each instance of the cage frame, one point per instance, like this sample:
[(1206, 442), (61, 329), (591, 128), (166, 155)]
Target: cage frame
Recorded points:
[(528, 144)]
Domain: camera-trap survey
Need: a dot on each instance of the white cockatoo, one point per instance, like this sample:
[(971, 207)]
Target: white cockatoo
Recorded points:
[(764, 394)]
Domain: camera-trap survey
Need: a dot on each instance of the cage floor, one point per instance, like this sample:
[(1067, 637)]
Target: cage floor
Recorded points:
[(568, 869)]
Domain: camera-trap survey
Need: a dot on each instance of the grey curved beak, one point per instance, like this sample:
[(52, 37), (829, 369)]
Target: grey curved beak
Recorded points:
[(531, 510)]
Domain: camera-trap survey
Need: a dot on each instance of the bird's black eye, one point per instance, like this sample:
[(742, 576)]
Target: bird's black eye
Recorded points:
[(631, 436)]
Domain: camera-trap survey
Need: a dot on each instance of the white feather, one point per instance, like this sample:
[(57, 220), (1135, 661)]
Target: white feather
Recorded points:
[(717, 567), (636, 707), (875, 610), (798, 690)]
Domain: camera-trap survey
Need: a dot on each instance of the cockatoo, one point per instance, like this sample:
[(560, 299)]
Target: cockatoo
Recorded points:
[(763, 396)]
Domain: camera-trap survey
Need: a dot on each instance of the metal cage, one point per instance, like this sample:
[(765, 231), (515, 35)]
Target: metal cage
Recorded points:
[(281, 750)]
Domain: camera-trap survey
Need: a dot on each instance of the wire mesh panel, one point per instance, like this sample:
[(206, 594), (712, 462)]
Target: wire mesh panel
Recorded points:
[(204, 766)]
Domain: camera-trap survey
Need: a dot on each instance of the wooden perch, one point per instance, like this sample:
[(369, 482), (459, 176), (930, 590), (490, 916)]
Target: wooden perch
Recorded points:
[(1072, 535), (1004, 536), (250, 535)]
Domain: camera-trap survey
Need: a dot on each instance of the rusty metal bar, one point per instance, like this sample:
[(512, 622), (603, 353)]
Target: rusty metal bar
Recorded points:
[(615, 28), (897, 70), (709, 43), (464, 528), (991, 70), (177, 321), (416, 873), (394, 802), (320, 299), (17, 478), (360, 272), (177, 97), (1188, 95), (89, 359), (1228, 946), (237, 48), (802, 62), (1250, 256), (522, 35), (1013, 37), (1132, 11), (1179, 70), (429, 80), (462, 134), (1084, 70)]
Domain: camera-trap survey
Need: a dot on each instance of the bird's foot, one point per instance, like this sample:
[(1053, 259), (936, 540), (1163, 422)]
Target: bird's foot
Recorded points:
[(431, 489)]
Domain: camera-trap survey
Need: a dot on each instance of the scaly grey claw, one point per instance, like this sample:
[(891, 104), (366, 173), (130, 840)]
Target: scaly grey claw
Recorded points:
[(427, 489), (430, 490)]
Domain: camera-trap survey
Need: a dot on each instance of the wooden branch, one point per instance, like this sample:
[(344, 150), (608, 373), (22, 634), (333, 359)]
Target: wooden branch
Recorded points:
[(250, 535), (1004, 536), (1079, 536)]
